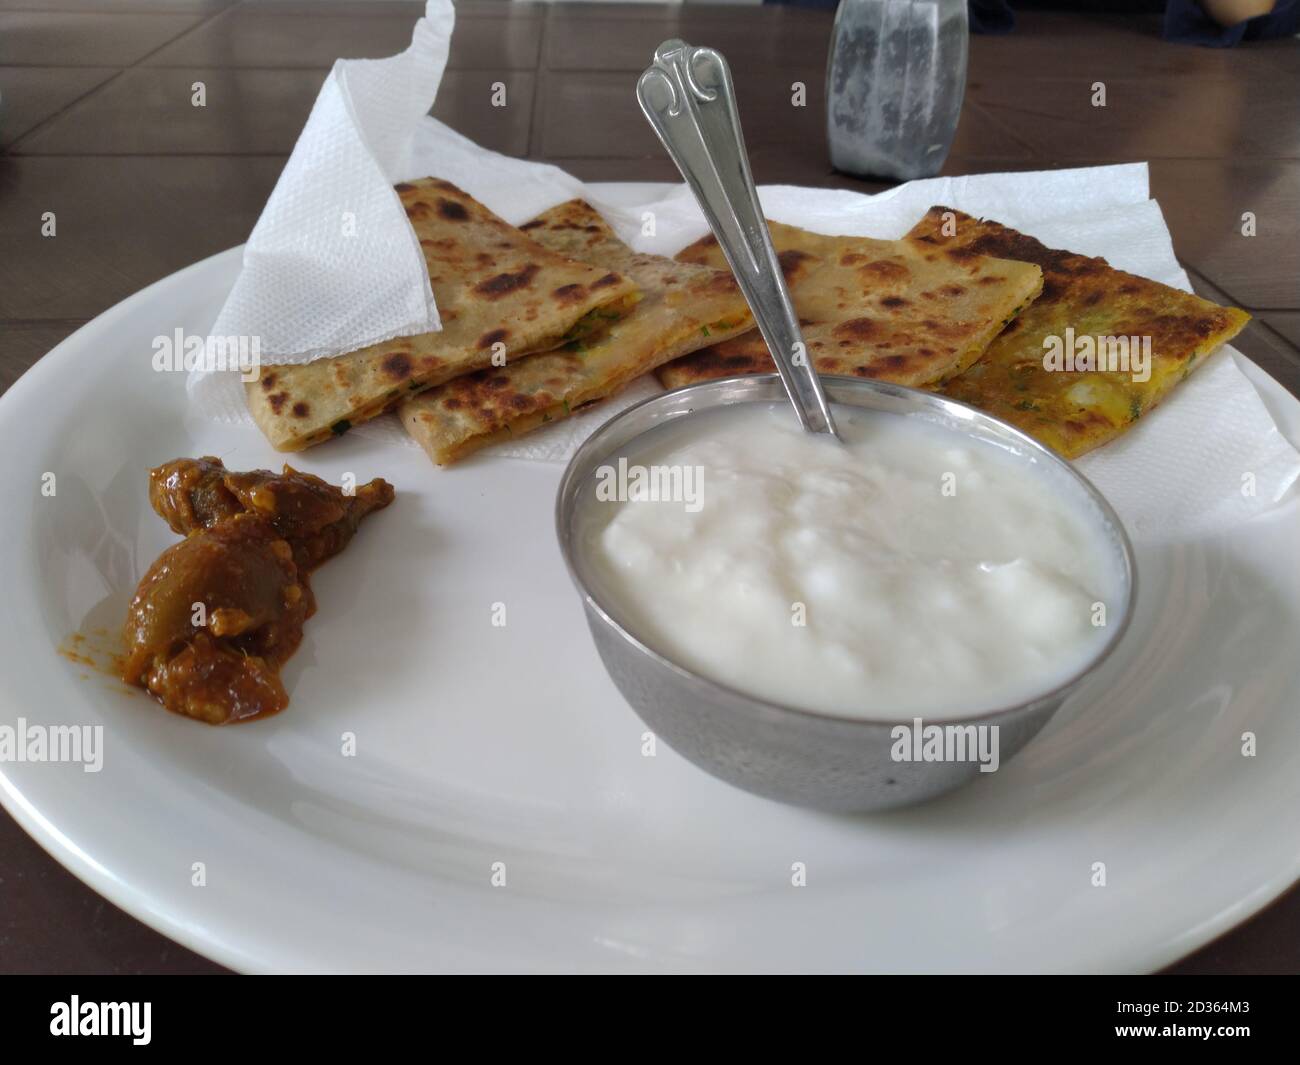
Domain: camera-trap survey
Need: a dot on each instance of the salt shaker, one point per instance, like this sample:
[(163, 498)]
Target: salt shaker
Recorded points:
[(894, 85)]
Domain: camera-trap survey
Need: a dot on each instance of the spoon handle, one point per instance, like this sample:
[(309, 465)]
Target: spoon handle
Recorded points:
[(688, 97)]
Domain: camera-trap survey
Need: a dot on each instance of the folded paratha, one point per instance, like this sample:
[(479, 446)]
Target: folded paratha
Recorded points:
[(493, 285), (883, 309), (1106, 311), (681, 308)]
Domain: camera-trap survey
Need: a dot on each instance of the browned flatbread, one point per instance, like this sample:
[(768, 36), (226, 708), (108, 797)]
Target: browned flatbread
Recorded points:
[(493, 285), (1076, 410), (833, 348), (682, 308), (874, 308)]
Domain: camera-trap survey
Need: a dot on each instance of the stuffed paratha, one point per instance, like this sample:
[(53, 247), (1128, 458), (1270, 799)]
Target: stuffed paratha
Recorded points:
[(681, 308), (874, 308), (493, 285), (1090, 307)]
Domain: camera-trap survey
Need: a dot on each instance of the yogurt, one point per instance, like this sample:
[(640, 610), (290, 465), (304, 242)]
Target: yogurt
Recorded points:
[(908, 571)]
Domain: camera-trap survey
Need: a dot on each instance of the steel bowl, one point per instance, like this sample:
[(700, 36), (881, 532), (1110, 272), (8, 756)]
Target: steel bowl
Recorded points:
[(787, 753)]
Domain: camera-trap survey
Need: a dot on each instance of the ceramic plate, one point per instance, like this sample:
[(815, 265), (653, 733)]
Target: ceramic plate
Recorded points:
[(498, 812)]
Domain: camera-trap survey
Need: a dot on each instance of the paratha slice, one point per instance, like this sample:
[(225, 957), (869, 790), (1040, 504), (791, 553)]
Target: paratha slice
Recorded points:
[(883, 354), (681, 308), (1076, 410), (492, 283), (883, 309)]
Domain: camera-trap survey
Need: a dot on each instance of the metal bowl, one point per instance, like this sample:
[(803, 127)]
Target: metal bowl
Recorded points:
[(784, 752)]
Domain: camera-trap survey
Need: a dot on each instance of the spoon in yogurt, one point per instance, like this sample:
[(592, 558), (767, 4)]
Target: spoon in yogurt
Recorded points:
[(688, 97)]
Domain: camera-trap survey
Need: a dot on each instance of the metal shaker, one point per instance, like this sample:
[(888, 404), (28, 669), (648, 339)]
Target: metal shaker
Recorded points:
[(894, 85)]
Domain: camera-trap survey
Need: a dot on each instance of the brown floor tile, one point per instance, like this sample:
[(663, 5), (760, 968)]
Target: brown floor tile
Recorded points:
[(52, 923), (253, 37), (496, 42), (582, 10), (1098, 47), (1285, 323), (352, 9), (778, 164), (30, 95), (85, 39), (412, 8), (800, 38), (595, 114), (141, 7), (1146, 118), (981, 136), (123, 223), (465, 103), (23, 343), (1203, 202), (149, 111), (496, 8)]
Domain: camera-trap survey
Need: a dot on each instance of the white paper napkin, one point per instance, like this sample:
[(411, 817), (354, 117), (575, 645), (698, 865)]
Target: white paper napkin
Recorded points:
[(333, 264), (308, 291)]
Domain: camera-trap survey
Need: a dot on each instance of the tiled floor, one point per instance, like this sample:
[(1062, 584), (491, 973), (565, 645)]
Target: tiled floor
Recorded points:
[(1286, 323), (121, 223), (267, 36), (90, 38), (100, 128), (1205, 201), (231, 121), (34, 94), (1146, 117)]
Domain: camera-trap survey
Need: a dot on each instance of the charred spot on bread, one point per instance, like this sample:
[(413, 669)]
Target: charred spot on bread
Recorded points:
[(503, 284)]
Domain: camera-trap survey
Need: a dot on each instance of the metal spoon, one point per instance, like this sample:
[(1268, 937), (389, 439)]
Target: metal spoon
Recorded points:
[(688, 97)]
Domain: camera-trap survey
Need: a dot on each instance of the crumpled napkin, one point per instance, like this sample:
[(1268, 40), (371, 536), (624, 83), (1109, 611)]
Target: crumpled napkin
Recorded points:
[(333, 264)]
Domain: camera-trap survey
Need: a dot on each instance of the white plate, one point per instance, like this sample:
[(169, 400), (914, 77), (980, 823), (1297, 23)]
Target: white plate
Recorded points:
[(479, 744)]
